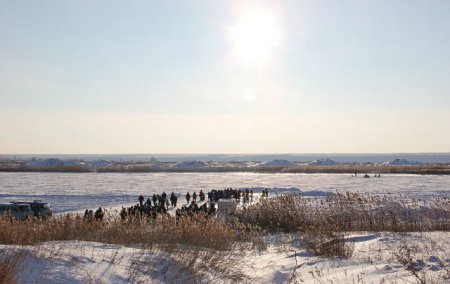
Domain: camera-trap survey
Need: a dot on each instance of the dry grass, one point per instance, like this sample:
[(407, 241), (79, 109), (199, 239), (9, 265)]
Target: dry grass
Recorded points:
[(195, 248), (197, 231), (348, 212), (11, 264)]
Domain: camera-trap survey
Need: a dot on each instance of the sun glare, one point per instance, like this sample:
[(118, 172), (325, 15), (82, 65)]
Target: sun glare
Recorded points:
[(255, 36)]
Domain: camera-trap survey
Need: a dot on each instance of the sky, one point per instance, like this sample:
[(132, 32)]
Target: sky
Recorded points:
[(301, 76)]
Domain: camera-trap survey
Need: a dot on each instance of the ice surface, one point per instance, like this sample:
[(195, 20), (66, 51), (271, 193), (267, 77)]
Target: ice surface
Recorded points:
[(79, 191)]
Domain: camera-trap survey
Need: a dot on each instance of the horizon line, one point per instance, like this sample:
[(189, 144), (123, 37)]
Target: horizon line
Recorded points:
[(236, 154)]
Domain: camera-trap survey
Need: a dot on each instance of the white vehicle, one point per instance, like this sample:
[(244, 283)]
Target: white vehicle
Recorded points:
[(19, 210), (226, 207)]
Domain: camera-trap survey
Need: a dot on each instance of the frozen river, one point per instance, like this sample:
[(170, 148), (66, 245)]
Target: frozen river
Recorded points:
[(78, 191)]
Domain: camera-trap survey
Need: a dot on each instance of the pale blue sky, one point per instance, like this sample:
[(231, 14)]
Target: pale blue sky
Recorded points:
[(159, 76)]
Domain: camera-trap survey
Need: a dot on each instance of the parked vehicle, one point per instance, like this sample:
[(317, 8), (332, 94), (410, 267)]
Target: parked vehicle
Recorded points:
[(4, 209), (16, 210), (41, 209)]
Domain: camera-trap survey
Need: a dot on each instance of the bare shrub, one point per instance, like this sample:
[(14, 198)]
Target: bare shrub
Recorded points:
[(210, 264), (187, 264), (284, 213), (423, 258), (404, 255), (326, 243)]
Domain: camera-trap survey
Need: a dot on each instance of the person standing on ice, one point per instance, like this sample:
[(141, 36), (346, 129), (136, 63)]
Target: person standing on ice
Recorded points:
[(210, 195), (141, 200), (173, 199), (188, 197), (99, 214), (194, 196), (123, 213), (163, 199), (264, 193)]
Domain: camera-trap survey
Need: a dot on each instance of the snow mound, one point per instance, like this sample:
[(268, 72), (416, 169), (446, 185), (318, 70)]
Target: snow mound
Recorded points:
[(190, 165), (402, 162), (46, 163), (99, 164), (276, 163), (56, 163), (323, 162)]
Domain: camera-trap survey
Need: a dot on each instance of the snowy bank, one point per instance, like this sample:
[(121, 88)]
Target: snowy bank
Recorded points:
[(285, 260)]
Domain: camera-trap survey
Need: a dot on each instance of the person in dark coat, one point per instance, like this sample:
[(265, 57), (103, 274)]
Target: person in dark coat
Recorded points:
[(123, 213), (188, 197), (155, 199), (173, 199), (141, 200), (194, 196), (210, 196), (212, 209), (99, 214), (88, 215), (202, 196)]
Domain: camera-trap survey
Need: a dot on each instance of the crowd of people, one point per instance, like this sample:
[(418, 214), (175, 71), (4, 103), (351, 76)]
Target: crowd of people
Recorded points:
[(245, 194), (200, 195), (89, 215), (193, 208), (159, 200), (159, 204)]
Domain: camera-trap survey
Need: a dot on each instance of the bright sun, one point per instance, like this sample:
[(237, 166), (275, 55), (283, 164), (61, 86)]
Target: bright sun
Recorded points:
[(255, 36)]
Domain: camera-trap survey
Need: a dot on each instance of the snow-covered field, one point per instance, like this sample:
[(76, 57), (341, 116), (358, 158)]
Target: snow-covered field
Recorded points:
[(284, 261), (78, 191)]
